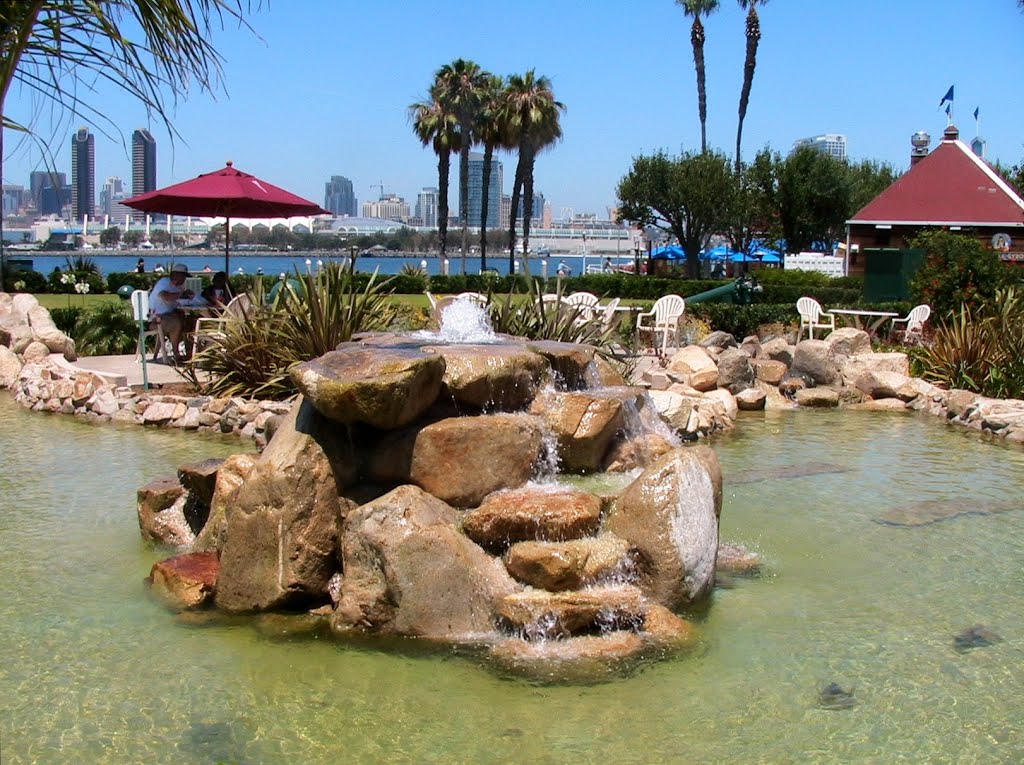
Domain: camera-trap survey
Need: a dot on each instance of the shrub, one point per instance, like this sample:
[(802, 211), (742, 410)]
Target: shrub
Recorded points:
[(106, 330), (63, 282), (957, 270), (30, 281), (66, 318), (137, 281), (979, 348)]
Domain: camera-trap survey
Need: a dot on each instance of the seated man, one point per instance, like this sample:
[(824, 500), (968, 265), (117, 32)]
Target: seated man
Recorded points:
[(163, 302)]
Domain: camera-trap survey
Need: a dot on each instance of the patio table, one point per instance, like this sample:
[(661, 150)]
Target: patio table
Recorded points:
[(869, 321)]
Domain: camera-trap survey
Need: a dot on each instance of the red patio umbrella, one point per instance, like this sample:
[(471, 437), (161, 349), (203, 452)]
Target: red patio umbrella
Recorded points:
[(227, 193)]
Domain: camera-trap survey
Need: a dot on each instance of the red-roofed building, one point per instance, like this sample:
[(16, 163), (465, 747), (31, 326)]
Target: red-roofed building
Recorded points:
[(950, 188)]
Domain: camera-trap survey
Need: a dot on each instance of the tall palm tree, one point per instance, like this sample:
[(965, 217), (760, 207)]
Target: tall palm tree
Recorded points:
[(437, 128), (534, 122), (458, 87), (696, 9), (749, 64), (162, 50), (492, 130)]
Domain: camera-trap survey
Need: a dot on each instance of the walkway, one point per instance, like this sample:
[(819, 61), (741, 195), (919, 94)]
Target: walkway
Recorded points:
[(127, 370)]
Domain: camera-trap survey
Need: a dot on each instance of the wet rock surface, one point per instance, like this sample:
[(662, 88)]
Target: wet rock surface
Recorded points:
[(978, 636), (533, 514), (834, 697)]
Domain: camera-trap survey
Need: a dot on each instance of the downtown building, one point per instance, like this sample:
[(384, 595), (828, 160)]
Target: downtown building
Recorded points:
[(143, 166), (83, 174), (829, 144), (389, 208), (426, 206), (49, 192), (340, 197), (475, 203)]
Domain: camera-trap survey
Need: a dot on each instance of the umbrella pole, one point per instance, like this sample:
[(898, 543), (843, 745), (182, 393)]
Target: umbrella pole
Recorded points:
[(227, 246)]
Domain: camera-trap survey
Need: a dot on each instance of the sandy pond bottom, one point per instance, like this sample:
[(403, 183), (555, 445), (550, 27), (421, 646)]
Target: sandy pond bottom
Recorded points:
[(92, 671)]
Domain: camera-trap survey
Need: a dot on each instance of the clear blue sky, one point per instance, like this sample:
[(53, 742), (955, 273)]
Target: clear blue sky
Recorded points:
[(324, 88)]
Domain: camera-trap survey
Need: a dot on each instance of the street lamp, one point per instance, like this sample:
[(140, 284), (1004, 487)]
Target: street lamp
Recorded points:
[(636, 255)]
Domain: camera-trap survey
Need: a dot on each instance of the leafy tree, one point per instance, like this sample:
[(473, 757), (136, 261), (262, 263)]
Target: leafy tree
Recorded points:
[(109, 237), (747, 213), (687, 196), (50, 47), (696, 9), (808, 194), (868, 179), (534, 124), (437, 128), (131, 238), (957, 270), (749, 65), (459, 89)]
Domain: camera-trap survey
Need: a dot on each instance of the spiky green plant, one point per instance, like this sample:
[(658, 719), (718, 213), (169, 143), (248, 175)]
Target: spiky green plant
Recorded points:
[(106, 330), (252, 355)]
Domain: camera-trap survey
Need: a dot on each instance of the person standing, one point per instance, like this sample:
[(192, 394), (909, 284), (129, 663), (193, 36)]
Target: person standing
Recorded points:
[(140, 267), (163, 302)]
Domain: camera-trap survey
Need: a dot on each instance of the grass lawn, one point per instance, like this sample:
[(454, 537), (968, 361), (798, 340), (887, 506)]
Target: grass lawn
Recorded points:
[(49, 301)]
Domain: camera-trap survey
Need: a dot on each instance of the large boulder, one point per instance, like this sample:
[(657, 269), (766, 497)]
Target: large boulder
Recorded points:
[(541, 614), (778, 349), (854, 366), (461, 459), (669, 515), (386, 387), (695, 367), (10, 367), (281, 541), (881, 384), (849, 341), (734, 370), (230, 476), (572, 365), (410, 571), (568, 565), (502, 377), (533, 513), (815, 359), (584, 423)]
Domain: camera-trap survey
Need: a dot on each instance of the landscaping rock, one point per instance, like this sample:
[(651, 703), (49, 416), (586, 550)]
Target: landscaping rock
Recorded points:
[(185, 582), (848, 341), (491, 377), (383, 387), (532, 514), (734, 370), (751, 399), (669, 514), (568, 565), (461, 459), (817, 397), (695, 367), (409, 571), (815, 359)]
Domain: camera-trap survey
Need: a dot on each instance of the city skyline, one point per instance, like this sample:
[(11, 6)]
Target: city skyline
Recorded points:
[(873, 72)]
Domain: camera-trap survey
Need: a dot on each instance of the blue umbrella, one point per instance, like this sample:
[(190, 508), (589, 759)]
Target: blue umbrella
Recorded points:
[(672, 252), (742, 257), (767, 256), (721, 252)]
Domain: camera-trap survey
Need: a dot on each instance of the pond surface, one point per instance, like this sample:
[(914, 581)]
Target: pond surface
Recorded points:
[(93, 671)]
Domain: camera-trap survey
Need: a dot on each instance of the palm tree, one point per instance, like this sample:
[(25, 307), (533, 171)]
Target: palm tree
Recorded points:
[(458, 87), (534, 124), (492, 130), (50, 46), (698, 8), (749, 64), (437, 128)]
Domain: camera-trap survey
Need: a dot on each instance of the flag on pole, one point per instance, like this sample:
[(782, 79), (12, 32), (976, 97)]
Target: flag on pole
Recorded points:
[(949, 110), (976, 110), (947, 97)]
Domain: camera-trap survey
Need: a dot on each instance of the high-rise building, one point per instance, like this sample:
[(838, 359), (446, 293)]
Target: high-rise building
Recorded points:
[(339, 196), (83, 174), (831, 144), (143, 162), (476, 192), (391, 208), (112, 189), (13, 199), (536, 213), (426, 206)]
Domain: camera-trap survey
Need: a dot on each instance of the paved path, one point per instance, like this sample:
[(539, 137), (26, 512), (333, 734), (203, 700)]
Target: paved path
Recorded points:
[(127, 370)]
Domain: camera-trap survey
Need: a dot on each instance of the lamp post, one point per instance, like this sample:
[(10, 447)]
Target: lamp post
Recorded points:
[(636, 255)]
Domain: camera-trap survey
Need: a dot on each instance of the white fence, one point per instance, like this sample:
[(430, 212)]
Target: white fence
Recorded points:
[(831, 265)]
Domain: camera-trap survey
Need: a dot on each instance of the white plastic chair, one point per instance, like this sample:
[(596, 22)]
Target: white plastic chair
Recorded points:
[(914, 320), (211, 328), (663, 318), (141, 316), (813, 316), (584, 302), (609, 316), (476, 297)]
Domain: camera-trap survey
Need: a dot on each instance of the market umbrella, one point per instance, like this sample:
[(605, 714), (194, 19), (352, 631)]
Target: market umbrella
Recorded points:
[(226, 193), (671, 252)]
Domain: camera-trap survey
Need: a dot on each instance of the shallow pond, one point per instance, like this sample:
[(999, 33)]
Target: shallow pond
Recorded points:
[(93, 671)]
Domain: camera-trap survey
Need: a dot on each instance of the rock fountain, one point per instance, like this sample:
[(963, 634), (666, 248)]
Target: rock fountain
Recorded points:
[(405, 495)]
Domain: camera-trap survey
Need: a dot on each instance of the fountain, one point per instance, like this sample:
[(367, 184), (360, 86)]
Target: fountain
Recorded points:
[(398, 499)]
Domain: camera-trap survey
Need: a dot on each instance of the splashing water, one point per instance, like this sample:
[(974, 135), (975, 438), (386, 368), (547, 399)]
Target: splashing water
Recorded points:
[(465, 321)]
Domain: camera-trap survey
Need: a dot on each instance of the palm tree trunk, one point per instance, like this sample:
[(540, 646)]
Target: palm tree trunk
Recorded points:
[(485, 202), (749, 64), (464, 195), (517, 186), (697, 41), (528, 204), (443, 164)]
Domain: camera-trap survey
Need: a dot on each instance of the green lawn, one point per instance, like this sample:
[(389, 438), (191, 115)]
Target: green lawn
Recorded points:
[(49, 301)]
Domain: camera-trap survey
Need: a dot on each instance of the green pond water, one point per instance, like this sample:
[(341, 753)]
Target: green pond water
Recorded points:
[(93, 671)]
